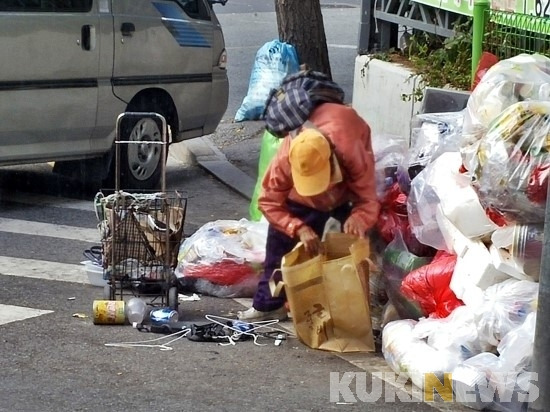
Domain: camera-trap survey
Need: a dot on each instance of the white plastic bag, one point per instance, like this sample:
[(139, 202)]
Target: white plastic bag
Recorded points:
[(456, 333), (516, 348), (396, 339), (505, 307), (471, 381), (494, 382), (405, 353), (441, 186)]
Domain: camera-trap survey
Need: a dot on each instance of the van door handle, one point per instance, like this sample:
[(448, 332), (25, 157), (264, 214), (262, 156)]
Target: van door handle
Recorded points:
[(127, 29), (87, 35)]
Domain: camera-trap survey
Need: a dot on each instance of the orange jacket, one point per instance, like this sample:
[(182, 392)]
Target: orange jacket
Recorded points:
[(351, 141)]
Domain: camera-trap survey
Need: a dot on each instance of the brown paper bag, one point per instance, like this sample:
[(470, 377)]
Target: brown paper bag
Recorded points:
[(154, 226), (328, 294)]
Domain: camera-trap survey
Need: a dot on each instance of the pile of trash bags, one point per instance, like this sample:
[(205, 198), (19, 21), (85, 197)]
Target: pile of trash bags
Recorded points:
[(461, 234)]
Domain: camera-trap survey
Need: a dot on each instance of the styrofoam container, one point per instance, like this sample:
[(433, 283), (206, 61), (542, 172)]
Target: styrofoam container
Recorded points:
[(474, 272), (94, 272)]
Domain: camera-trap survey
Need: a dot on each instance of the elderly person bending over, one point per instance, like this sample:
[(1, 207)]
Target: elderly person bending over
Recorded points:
[(326, 170)]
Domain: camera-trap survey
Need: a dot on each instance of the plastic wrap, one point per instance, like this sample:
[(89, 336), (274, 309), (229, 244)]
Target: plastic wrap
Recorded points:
[(274, 60), (433, 134), (512, 163), (378, 297), (223, 258), (506, 306), (516, 356), (389, 155), (522, 77), (429, 286), (517, 250)]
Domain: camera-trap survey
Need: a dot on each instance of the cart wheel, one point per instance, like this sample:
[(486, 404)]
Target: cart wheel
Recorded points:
[(108, 292), (173, 298)]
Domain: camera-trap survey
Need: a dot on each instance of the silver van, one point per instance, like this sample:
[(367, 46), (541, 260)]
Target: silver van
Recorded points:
[(68, 68)]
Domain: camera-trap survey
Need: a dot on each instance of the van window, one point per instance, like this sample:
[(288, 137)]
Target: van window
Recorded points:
[(46, 6), (195, 9)]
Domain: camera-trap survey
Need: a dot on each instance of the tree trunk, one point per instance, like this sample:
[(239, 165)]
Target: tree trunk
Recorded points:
[(300, 23)]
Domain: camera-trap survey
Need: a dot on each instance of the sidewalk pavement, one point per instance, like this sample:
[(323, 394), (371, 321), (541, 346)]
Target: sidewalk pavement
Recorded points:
[(232, 144)]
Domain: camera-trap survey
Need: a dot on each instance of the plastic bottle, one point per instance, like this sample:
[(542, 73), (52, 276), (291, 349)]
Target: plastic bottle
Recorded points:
[(136, 310)]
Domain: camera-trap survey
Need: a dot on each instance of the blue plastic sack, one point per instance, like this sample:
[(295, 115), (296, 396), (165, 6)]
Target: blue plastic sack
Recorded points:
[(274, 60)]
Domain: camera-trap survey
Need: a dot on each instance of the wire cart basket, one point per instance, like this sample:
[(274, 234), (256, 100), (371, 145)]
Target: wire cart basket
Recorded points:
[(141, 233)]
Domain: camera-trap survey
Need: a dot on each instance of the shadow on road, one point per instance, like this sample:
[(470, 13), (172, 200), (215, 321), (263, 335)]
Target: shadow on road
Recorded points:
[(40, 179)]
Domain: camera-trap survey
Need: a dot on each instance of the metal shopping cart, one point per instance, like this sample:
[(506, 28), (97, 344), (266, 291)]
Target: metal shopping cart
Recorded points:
[(141, 232)]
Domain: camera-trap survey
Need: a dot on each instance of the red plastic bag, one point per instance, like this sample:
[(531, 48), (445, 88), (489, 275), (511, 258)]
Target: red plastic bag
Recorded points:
[(393, 218), (393, 214), (429, 286), (486, 61), (225, 272), (537, 188)]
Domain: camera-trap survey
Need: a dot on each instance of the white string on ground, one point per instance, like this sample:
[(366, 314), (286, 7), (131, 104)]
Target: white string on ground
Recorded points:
[(147, 343)]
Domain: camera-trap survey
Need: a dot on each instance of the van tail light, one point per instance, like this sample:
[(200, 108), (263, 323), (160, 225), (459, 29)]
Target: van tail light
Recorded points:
[(222, 60)]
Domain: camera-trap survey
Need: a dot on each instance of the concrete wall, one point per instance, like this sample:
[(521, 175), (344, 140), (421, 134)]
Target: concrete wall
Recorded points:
[(377, 90)]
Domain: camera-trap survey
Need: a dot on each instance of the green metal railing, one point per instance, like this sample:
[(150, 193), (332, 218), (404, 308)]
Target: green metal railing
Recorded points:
[(507, 34)]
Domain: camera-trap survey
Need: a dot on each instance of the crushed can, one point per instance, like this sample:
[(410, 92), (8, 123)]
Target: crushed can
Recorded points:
[(164, 316)]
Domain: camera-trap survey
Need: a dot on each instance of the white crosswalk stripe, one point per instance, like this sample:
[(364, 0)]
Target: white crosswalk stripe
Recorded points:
[(47, 229), (41, 269), (10, 313)]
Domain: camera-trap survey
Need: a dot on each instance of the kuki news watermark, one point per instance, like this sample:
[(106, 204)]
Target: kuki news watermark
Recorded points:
[(353, 387)]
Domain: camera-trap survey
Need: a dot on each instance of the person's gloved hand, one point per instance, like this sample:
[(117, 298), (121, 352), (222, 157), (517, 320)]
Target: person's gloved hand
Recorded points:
[(310, 240), (355, 226)]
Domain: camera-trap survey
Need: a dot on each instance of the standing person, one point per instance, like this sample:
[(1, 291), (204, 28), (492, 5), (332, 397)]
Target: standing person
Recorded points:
[(326, 170)]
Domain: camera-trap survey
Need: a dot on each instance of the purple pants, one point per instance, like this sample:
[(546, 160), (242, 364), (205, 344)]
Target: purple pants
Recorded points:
[(279, 244)]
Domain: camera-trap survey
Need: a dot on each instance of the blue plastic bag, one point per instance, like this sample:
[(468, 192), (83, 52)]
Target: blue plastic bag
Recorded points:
[(274, 60)]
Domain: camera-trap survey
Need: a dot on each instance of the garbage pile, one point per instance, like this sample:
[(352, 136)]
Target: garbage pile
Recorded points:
[(461, 234), (223, 258)]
